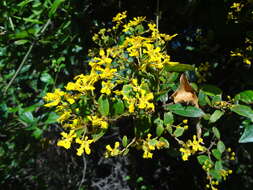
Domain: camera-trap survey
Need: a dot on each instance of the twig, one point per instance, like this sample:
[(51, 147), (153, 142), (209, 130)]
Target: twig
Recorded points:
[(20, 66), (26, 56), (84, 172), (157, 13)]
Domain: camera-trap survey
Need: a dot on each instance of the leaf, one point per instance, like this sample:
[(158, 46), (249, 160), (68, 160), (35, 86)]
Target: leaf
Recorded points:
[(247, 135), (221, 146), (216, 153), (179, 131), (178, 67), (218, 165), (46, 77), (216, 132), (211, 90), (167, 144), (215, 116), (185, 93), (245, 96), (52, 118), (21, 42), (118, 107), (158, 121), (243, 110), (37, 133), (216, 98), (124, 141), (187, 111), (97, 136), (159, 130), (202, 159), (202, 98), (103, 105), (54, 7), (168, 118), (215, 174), (27, 117)]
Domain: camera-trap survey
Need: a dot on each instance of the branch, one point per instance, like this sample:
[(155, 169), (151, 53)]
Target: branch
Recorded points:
[(26, 56)]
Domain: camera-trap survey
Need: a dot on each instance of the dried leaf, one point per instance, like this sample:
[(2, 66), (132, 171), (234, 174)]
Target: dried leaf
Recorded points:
[(185, 93)]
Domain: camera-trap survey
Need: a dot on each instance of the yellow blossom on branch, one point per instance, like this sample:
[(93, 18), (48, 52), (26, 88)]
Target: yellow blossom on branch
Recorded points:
[(67, 139), (84, 146), (112, 151), (54, 98)]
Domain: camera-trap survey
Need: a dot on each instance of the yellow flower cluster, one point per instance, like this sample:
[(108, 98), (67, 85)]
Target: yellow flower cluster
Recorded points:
[(98, 122), (140, 97), (234, 12), (112, 151), (115, 69), (132, 23), (239, 54), (149, 145), (191, 147)]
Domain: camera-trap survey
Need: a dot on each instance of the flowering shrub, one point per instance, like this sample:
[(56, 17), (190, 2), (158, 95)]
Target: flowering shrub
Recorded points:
[(131, 76)]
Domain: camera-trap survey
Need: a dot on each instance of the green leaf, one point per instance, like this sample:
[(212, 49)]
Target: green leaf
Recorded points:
[(216, 132), (27, 117), (52, 118), (118, 107), (168, 118), (221, 146), (159, 130), (54, 7), (158, 121), (215, 174), (23, 33), (98, 135), (210, 90), (167, 144), (124, 141), (179, 131), (127, 89), (216, 116), (247, 135), (218, 165), (245, 96), (202, 159), (46, 77), (216, 153), (243, 110), (21, 42), (187, 111), (202, 98), (103, 105), (216, 98), (23, 3), (179, 67), (37, 133)]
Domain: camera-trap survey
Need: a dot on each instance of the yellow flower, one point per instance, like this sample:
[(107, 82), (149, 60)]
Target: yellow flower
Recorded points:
[(112, 151), (186, 153), (84, 145), (247, 61), (64, 116), (134, 22), (54, 97), (147, 147), (119, 17), (67, 139), (98, 122), (106, 87), (185, 121), (144, 101)]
